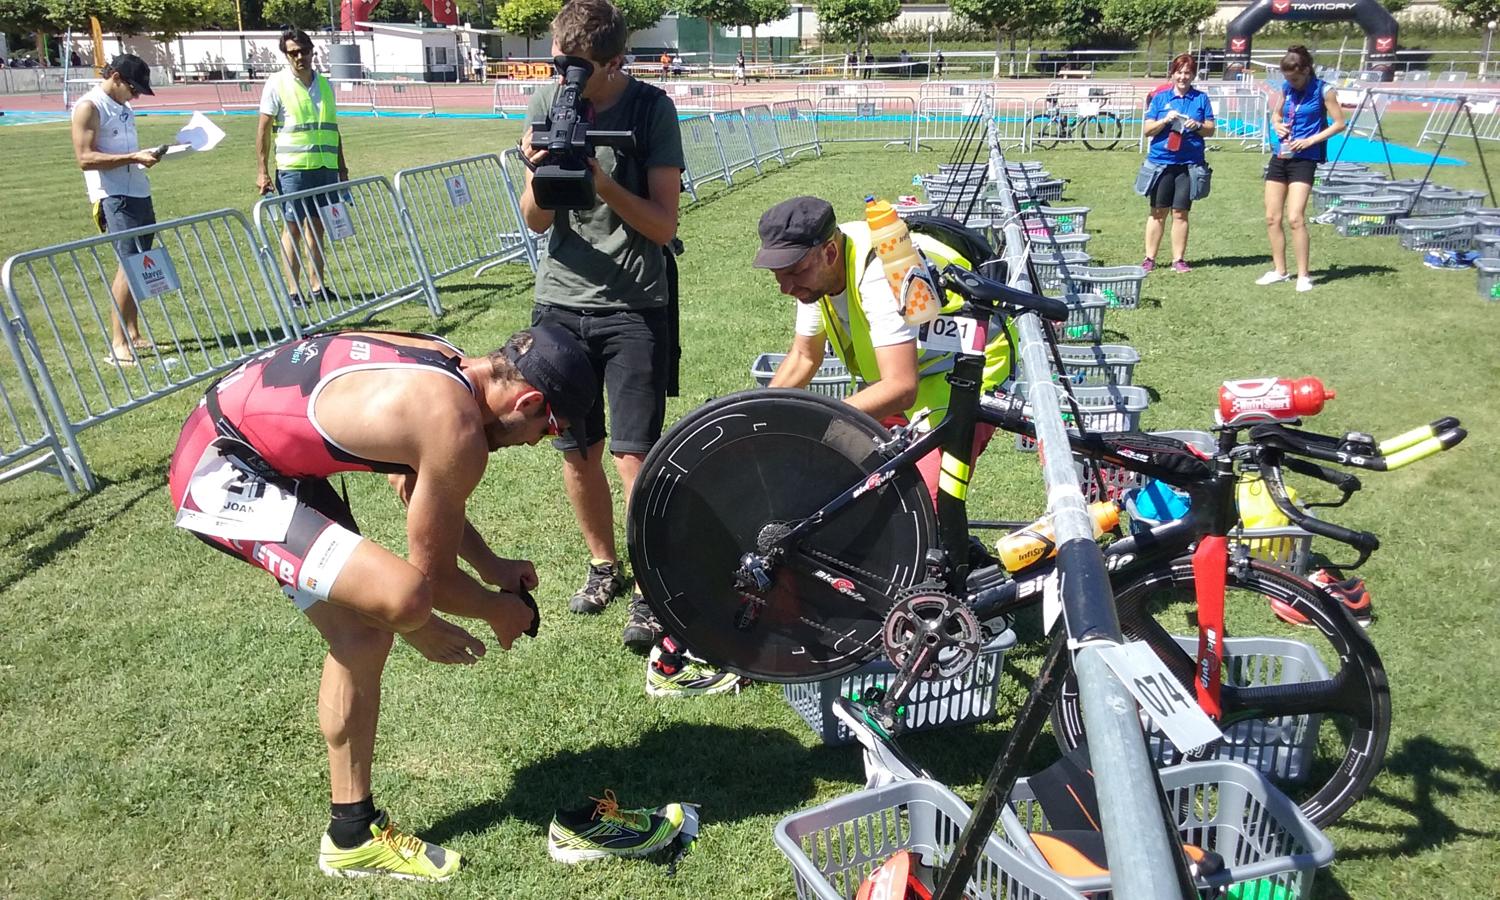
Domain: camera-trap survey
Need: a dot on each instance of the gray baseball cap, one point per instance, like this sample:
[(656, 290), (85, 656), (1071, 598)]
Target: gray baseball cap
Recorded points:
[(791, 228)]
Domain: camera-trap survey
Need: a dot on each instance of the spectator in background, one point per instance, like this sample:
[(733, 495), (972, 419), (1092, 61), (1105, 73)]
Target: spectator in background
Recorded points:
[(297, 104), (114, 170), (1174, 174), (940, 63), (851, 64), (869, 62), (905, 63), (739, 69), (666, 64), (1305, 113)]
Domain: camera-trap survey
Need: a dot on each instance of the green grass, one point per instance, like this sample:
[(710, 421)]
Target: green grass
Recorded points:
[(157, 728)]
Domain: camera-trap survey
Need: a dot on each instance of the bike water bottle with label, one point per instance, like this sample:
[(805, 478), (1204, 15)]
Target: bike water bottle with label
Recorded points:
[(1038, 541), (892, 242), (1250, 401)]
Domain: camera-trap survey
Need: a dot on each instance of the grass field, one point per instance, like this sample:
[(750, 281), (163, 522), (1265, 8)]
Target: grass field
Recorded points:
[(157, 730)]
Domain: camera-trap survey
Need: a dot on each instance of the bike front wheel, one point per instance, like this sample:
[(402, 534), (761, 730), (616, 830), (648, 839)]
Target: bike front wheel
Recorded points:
[(1308, 707), (1101, 131), (1045, 131), (727, 480)]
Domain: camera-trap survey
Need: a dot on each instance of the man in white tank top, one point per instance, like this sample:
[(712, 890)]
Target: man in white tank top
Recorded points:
[(114, 170)]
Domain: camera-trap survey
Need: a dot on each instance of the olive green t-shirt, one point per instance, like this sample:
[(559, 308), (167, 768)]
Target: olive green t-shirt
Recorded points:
[(593, 259)]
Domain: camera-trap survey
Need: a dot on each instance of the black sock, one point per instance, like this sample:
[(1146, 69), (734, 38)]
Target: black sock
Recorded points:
[(349, 823)]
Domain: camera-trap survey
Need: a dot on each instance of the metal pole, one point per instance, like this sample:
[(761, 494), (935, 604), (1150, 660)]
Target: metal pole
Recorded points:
[(1489, 37)]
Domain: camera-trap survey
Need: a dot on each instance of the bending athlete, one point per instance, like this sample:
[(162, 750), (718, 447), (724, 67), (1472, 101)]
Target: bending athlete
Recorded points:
[(249, 477)]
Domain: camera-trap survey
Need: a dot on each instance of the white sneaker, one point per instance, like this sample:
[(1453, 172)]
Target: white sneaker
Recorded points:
[(1272, 277), (1304, 284)]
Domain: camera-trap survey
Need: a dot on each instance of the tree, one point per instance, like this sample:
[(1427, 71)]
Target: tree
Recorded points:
[(850, 20), (641, 14), (764, 12), (1005, 17), (1080, 21), (165, 19), (712, 12), (1153, 18), (1395, 6), (1477, 13), (528, 18), (302, 14)]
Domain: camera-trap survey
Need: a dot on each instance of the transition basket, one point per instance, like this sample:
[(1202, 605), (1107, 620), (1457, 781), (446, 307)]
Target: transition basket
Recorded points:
[(1489, 278), (1437, 232), (833, 378)]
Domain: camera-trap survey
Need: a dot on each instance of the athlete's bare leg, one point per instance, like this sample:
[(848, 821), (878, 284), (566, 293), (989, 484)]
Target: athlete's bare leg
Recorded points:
[(391, 593), (349, 696)]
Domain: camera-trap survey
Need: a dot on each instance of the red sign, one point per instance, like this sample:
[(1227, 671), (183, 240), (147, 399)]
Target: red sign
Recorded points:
[(1385, 44), (1238, 45), (146, 262), (1281, 7), (444, 12)]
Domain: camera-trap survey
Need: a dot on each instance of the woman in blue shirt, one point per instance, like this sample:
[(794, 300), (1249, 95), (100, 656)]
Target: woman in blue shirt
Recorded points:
[(1305, 113), (1177, 121)]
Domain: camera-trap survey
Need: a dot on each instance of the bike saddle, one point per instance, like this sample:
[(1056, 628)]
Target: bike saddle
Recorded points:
[(973, 286)]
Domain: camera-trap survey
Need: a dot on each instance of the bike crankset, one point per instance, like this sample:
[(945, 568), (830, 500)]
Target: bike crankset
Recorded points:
[(935, 625)]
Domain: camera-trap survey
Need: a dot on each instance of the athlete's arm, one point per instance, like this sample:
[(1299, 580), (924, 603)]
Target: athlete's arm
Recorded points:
[(801, 363), (896, 390), (510, 574)]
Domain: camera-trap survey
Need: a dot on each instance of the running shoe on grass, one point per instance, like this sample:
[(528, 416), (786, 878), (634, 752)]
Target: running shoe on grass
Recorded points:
[(391, 853), (604, 829), (671, 671)]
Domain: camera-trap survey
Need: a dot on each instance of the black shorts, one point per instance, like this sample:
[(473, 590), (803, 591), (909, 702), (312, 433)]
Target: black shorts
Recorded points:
[(629, 351), (1173, 189), (1288, 171)]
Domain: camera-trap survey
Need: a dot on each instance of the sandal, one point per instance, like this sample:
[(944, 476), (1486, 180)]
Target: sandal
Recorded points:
[(119, 362)]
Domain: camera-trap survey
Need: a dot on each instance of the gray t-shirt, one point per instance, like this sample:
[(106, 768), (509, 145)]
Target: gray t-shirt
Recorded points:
[(594, 260)]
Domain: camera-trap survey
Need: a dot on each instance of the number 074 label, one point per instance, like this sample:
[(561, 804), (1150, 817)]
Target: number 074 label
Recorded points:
[(953, 334), (1160, 695)]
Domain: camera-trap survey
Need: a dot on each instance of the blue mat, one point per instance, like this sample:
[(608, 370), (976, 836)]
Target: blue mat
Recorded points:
[(1364, 150)]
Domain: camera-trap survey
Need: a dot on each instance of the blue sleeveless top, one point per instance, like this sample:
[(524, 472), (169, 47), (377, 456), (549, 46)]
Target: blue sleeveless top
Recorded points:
[(1304, 111)]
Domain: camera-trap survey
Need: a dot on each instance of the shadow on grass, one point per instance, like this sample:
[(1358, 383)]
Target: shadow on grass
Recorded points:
[(1233, 262), (1338, 273), (1437, 771)]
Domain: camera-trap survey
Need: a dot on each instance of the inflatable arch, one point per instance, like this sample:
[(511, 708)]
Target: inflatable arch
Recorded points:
[(1379, 27)]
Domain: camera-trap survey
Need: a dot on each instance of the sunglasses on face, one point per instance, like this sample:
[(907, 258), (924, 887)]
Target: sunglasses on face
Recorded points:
[(295, 52)]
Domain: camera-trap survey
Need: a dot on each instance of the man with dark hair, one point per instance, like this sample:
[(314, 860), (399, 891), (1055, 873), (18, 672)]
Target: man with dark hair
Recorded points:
[(297, 103), (114, 170), (250, 478), (605, 278)]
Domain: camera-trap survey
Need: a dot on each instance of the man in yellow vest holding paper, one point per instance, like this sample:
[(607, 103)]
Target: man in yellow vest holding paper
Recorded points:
[(845, 300), (298, 105)]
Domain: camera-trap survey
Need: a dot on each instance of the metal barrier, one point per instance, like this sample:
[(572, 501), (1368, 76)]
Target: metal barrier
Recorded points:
[(399, 96), (887, 120), (464, 214), (1448, 113), (198, 288), (359, 255), (762, 127), (1242, 118), (735, 142), (1368, 116), (796, 127), (949, 118), (238, 94), (690, 95), (817, 90), (702, 153), (31, 432), (514, 95), (953, 90)]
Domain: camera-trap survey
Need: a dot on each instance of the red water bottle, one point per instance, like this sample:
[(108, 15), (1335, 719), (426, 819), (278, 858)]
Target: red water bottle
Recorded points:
[(1253, 400)]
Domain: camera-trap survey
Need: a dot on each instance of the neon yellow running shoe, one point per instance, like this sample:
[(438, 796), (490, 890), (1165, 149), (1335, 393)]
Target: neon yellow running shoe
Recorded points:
[(391, 853), (607, 830)]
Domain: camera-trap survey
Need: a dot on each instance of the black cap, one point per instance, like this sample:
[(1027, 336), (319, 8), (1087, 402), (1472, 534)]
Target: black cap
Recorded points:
[(133, 71), (791, 228), (557, 365)]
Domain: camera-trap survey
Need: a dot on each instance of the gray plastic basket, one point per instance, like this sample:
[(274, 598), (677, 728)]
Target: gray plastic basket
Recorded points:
[(1085, 319), (1488, 226), (1048, 265), (1328, 196), (834, 847), (1437, 232), (1280, 748), (1443, 202), (1221, 806), (1060, 219), (1094, 365), (969, 697), (914, 209), (1038, 190), (1367, 216), (1105, 408), (832, 380), (1119, 285), (1489, 278)]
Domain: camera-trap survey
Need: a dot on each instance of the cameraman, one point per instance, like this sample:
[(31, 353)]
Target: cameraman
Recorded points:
[(605, 278)]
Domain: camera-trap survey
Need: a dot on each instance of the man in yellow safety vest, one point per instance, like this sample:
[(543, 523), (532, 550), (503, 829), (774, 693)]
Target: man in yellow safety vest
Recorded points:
[(298, 105), (845, 300)]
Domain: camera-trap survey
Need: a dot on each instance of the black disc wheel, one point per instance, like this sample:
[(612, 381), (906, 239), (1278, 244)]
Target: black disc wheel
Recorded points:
[(1309, 707), (731, 478), (1045, 131), (1100, 131)]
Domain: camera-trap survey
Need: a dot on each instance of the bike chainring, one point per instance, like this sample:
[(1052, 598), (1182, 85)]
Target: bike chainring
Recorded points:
[(934, 619)]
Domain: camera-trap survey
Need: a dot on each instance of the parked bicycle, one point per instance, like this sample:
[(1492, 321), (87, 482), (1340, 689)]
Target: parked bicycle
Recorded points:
[(789, 538), (1098, 128)]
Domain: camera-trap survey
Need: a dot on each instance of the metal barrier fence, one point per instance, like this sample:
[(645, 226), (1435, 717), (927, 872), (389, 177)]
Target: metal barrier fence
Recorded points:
[(38, 80), (796, 127), (818, 90), (464, 213), (344, 249), (950, 118), (688, 95), (955, 90), (1369, 113), (31, 443), (514, 95), (702, 153), (198, 289), (1242, 118), (761, 124), (735, 143), (887, 120), (398, 96), (1485, 110), (238, 94)]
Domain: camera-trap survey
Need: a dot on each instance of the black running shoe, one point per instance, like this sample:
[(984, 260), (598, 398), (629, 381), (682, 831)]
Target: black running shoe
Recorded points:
[(641, 628), (604, 584)]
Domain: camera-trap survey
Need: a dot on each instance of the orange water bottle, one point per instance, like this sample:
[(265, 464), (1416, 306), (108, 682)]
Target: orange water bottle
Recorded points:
[(892, 242), (1038, 541)]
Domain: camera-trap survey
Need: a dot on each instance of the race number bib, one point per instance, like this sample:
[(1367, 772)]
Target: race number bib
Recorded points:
[(1160, 695), (953, 334), (227, 500)]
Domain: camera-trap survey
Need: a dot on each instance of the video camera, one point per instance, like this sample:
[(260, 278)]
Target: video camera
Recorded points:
[(563, 180)]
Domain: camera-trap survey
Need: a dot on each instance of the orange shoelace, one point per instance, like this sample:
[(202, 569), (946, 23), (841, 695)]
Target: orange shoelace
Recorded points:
[(406, 845), (608, 807)]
